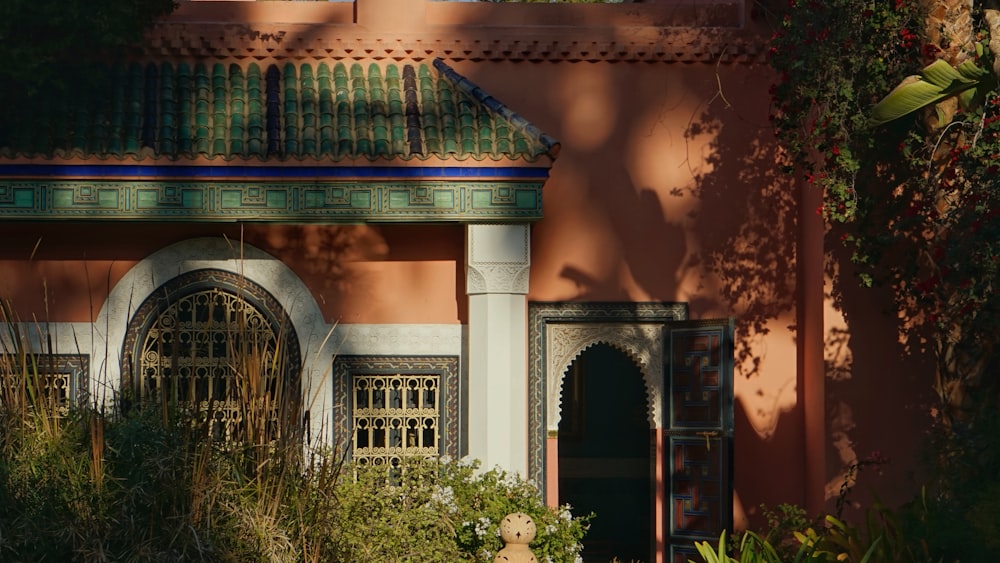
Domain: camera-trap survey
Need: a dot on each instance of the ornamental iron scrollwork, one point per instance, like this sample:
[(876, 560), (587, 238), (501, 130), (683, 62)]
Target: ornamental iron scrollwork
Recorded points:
[(388, 407), (54, 382), (395, 415), (211, 343)]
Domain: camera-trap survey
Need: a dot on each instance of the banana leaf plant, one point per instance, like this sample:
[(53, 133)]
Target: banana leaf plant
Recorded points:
[(935, 83)]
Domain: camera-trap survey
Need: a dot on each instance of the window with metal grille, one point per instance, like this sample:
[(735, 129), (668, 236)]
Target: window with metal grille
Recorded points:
[(389, 407), (211, 343), (395, 415), (54, 382)]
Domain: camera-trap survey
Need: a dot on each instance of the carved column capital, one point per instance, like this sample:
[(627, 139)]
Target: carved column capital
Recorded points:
[(498, 259)]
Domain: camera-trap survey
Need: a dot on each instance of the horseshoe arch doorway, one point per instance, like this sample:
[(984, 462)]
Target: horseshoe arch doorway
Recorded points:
[(605, 466)]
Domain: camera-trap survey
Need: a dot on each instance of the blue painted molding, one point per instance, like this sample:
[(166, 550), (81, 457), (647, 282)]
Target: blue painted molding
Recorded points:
[(194, 172)]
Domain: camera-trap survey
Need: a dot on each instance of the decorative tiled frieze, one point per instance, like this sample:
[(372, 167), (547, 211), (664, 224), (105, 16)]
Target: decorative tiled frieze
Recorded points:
[(318, 202)]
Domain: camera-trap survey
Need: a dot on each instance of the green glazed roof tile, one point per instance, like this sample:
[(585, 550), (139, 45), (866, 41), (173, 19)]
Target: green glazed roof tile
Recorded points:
[(268, 113), (237, 118)]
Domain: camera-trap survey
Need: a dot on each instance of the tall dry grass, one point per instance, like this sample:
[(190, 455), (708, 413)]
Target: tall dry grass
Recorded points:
[(82, 481), (150, 479)]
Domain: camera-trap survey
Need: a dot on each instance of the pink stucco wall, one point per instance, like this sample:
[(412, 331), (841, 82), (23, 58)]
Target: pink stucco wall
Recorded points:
[(665, 189), (358, 274)]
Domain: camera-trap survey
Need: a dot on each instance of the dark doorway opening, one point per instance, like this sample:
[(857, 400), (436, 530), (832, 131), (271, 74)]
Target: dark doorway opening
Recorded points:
[(605, 466)]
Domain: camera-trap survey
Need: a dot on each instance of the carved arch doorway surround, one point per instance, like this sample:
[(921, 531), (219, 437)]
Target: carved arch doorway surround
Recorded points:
[(686, 367)]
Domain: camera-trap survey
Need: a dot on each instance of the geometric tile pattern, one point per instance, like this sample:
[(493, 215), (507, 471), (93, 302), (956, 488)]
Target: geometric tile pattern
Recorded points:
[(695, 379), (338, 201), (698, 467), (699, 433)]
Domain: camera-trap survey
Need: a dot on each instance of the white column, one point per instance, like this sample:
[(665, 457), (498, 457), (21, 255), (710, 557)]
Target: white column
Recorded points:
[(497, 263)]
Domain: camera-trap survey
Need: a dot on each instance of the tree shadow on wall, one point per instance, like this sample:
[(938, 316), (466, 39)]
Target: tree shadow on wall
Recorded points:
[(651, 247), (347, 266), (747, 217), (878, 389)]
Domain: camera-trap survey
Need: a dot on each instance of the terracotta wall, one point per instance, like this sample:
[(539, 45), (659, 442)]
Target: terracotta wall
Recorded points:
[(667, 188), (64, 272)]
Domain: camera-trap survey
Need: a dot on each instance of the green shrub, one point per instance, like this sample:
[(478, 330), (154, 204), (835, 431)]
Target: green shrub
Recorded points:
[(444, 511), (150, 482), (157, 495)]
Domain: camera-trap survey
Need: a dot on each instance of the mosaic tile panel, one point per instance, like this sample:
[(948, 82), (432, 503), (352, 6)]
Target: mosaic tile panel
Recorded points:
[(321, 202)]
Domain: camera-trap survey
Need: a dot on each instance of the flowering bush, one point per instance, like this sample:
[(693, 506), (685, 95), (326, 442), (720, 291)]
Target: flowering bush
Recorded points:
[(442, 510), (917, 201), (493, 495), (920, 192), (835, 59)]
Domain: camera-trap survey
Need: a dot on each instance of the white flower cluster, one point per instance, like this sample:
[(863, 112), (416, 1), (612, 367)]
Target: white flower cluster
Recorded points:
[(565, 514), (510, 480), (482, 526), (445, 496)]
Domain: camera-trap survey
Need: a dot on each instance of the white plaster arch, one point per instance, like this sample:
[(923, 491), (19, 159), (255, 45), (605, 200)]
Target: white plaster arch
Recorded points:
[(641, 342), (217, 253)]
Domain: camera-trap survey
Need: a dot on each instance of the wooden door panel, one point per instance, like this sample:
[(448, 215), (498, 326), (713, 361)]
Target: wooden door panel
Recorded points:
[(698, 436)]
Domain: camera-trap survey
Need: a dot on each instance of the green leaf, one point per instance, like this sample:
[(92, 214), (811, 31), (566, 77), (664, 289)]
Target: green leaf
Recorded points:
[(937, 81), (905, 98), (972, 71), (942, 74), (871, 550)]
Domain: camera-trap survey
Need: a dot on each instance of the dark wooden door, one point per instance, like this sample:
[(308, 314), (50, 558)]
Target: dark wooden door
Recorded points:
[(698, 434)]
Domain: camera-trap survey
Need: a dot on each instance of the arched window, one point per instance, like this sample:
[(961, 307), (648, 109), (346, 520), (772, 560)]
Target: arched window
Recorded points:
[(220, 347)]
